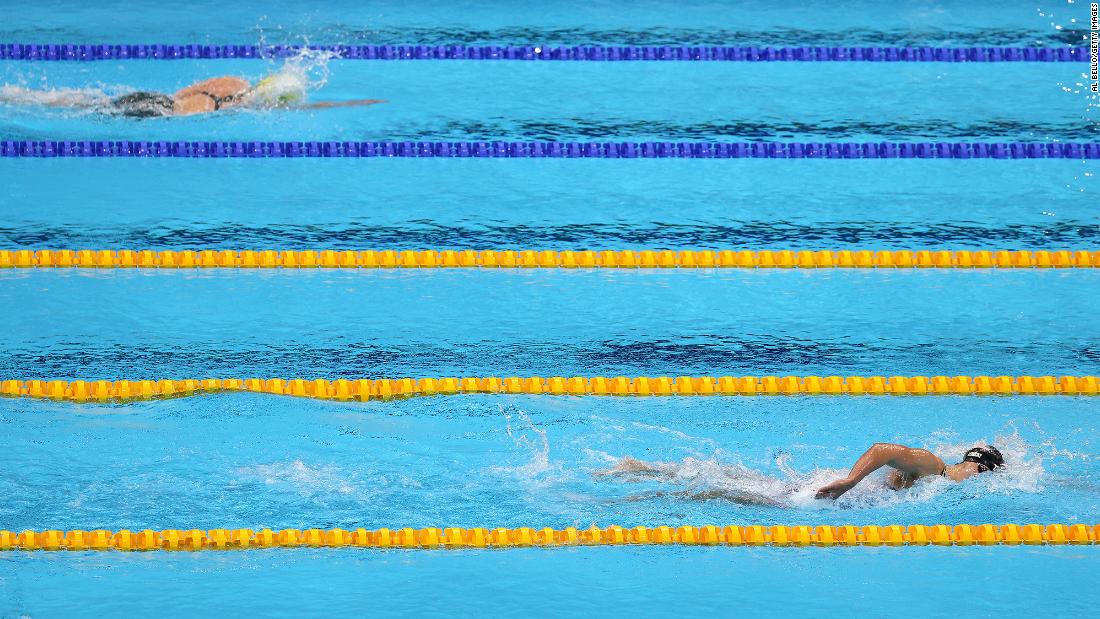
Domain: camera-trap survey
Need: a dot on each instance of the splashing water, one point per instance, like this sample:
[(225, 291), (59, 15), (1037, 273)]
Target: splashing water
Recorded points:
[(538, 446), (290, 83), (715, 479)]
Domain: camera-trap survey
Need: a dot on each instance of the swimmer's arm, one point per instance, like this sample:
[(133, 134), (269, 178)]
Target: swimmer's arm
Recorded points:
[(327, 104), (913, 462), (218, 86)]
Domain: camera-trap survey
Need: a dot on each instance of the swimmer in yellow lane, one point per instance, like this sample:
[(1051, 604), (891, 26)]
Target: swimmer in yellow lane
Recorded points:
[(216, 94), (745, 486), (910, 464)]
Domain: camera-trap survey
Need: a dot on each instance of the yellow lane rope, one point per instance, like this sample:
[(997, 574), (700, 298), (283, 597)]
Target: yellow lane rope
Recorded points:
[(384, 389), (623, 259), (430, 538)]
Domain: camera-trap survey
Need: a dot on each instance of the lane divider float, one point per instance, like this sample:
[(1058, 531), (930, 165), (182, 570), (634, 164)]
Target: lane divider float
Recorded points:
[(438, 538), (553, 150), (385, 389), (547, 259), (160, 51)]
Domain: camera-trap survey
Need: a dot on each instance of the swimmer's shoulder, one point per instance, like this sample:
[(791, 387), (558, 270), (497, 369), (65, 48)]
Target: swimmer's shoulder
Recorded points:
[(224, 86)]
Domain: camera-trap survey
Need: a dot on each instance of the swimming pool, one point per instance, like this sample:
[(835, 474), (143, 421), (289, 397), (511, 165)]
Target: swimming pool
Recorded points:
[(254, 460)]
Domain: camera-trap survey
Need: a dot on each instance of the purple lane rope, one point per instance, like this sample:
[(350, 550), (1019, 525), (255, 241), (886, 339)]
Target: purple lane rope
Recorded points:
[(50, 51), (557, 150)]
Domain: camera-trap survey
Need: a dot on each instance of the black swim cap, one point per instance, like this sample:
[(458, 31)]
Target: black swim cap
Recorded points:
[(143, 104), (988, 458)]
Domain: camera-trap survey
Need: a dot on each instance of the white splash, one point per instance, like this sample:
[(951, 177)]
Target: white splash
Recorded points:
[(527, 436), (674, 432), (293, 80), (306, 480)]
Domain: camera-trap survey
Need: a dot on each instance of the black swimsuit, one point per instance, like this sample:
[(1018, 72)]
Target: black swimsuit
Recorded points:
[(142, 104)]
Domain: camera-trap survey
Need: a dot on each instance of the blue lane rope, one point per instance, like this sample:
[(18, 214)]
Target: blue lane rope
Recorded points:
[(48, 51), (568, 150)]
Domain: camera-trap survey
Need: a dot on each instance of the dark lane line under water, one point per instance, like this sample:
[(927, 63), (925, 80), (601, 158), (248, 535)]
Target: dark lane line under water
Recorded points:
[(654, 235), (548, 204), (714, 354), (336, 323)]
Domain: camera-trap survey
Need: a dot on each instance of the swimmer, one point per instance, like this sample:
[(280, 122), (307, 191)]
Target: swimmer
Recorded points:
[(910, 464), (213, 95)]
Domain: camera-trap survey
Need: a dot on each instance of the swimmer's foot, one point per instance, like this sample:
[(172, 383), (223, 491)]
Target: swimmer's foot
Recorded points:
[(628, 465)]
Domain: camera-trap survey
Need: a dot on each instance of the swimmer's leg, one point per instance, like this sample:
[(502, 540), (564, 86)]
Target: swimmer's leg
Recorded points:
[(741, 498), (635, 498), (60, 98), (633, 467)]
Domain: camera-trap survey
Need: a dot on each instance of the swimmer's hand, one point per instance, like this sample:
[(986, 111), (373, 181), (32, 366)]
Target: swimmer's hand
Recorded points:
[(835, 489)]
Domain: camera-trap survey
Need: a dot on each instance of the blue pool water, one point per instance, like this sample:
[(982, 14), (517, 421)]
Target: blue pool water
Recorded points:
[(559, 204), (591, 101), (185, 324), (253, 460), (572, 22)]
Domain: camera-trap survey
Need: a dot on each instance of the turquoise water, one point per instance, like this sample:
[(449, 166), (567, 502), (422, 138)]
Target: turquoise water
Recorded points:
[(590, 204), (614, 582), (252, 460), (573, 22), (461, 100), (256, 460), (193, 324)]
